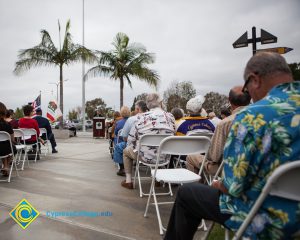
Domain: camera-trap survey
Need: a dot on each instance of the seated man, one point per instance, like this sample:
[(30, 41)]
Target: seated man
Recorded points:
[(263, 136), (214, 156), (194, 122), (140, 108), (44, 123), (156, 121)]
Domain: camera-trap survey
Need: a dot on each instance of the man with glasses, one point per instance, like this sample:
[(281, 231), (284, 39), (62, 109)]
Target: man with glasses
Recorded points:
[(263, 136)]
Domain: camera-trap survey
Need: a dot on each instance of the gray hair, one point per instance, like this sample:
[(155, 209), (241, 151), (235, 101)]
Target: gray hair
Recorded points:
[(153, 100), (266, 64)]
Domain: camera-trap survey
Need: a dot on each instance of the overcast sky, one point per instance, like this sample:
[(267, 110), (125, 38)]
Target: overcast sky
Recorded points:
[(192, 41)]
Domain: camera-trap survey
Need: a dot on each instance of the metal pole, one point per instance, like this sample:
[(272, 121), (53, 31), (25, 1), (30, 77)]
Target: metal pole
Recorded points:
[(57, 93), (83, 72), (253, 40)]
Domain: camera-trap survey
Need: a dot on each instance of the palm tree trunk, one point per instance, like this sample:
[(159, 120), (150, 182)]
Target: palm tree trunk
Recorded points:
[(61, 95), (121, 91)]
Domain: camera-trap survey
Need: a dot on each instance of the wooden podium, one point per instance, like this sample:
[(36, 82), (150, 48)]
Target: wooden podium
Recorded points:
[(98, 127)]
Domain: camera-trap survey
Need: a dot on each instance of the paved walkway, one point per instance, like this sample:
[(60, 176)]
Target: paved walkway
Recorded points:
[(81, 177)]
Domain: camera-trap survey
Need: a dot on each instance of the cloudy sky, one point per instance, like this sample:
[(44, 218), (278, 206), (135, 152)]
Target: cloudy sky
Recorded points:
[(192, 41)]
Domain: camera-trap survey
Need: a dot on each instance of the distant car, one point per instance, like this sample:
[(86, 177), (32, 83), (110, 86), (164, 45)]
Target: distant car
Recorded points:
[(77, 124), (88, 123)]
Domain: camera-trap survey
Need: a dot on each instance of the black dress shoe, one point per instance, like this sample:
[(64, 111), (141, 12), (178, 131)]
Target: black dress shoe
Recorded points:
[(121, 173), (54, 151)]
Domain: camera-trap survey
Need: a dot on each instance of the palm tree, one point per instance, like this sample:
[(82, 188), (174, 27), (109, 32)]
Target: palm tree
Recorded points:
[(46, 54), (125, 61)]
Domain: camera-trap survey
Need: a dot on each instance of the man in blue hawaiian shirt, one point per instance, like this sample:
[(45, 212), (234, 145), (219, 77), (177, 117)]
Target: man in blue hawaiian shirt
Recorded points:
[(263, 136)]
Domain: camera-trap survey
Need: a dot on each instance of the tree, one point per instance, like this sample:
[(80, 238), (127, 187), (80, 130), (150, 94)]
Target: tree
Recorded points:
[(19, 113), (91, 106), (139, 97), (178, 94), (295, 68), (215, 102), (73, 114), (46, 54), (125, 61)]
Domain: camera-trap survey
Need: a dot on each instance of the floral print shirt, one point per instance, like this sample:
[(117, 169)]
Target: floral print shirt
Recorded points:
[(156, 121), (263, 136)]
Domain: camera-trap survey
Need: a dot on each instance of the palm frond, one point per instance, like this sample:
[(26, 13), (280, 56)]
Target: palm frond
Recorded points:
[(98, 71), (27, 63)]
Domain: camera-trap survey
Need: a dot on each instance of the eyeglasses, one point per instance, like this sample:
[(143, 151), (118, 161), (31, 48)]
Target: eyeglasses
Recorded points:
[(247, 82)]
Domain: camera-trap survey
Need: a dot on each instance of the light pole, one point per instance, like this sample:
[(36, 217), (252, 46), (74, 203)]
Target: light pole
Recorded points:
[(83, 72), (57, 84)]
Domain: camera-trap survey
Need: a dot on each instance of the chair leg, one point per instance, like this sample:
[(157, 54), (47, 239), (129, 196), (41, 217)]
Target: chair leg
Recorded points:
[(149, 197), (135, 173), (161, 232), (226, 234)]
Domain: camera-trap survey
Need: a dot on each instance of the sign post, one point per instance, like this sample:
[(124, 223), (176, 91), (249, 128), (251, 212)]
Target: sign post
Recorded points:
[(265, 38)]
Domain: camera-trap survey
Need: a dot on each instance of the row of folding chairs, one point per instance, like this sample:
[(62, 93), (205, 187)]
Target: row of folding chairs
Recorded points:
[(282, 183), (21, 156)]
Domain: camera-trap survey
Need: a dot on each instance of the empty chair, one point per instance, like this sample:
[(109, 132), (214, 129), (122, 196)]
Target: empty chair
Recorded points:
[(175, 145)]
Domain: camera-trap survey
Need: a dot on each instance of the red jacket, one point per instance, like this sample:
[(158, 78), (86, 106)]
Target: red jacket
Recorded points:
[(30, 123)]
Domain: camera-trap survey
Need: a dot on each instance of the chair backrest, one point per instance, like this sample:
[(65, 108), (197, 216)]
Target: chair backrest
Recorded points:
[(43, 131), (152, 140), (29, 132), (4, 136), (284, 182), (198, 132), (19, 135), (184, 145)]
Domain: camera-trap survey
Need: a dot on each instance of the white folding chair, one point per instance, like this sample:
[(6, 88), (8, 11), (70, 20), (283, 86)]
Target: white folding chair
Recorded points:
[(21, 147), (149, 140), (43, 131), (196, 132), (28, 133), (283, 182), (4, 136), (175, 145)]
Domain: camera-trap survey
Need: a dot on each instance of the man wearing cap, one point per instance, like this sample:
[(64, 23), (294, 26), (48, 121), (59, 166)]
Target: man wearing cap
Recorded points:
[(263, 136), (194, 122), (44, 123), (214, 156)]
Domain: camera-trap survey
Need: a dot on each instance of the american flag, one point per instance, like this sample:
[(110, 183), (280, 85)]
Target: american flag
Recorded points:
[(36, 103)]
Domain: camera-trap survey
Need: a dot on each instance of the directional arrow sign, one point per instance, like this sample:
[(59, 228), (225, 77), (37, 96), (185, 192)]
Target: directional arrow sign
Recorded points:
[(267, 37), (242, 41), (280, 50)]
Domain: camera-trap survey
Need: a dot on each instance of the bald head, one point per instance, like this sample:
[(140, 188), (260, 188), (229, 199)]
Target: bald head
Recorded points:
[(238, 98), (263, 72)]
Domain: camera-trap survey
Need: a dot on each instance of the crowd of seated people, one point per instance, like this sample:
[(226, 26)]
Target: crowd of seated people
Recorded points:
[(8, 123), (245, 137)]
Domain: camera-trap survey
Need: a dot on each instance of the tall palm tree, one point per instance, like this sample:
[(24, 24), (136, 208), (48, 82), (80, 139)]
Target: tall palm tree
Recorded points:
[(46, 54), (125, 61)]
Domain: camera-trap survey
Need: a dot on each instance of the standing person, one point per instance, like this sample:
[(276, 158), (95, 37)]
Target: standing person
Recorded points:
[(263, 136), (5, 148), (150, 122), (195, 121), (44, 123)]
